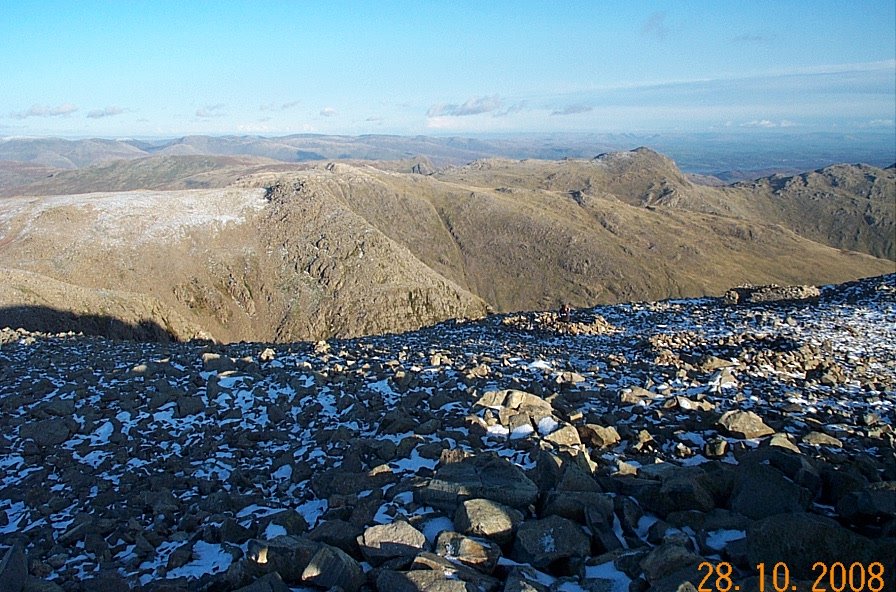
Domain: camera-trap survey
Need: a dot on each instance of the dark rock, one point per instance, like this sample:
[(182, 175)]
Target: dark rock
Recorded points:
[(107, 582), (331, 567), (877, 502), (486, 518), (482, 476), (13, 569), (271, 582), (46, 432), (761, 491), (803, 539), (338, 533), (543, 542)]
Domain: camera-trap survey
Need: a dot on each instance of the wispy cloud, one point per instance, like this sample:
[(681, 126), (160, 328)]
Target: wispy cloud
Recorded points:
[(573, 109), (46, 111), (655, 26), (279, 106), (768, 124), (328, 112), (473, 106), (208, 111), (110, 111)]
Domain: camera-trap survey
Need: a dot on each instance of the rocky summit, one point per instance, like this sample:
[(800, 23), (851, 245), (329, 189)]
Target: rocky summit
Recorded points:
[(616, 450)]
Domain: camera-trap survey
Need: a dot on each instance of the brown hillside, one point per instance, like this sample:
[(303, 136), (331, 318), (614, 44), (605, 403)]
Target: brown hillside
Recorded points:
[(288, 253)]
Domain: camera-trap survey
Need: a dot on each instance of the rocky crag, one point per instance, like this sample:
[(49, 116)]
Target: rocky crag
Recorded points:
[(617, 453)]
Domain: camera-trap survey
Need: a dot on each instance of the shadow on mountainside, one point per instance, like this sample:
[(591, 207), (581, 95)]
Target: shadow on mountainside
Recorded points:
[(44, 319)]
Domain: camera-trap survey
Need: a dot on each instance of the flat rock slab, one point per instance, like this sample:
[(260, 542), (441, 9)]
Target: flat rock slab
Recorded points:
[(480, 476), (386, 541)]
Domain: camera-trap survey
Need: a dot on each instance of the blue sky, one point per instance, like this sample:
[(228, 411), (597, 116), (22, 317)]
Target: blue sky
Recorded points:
[(160, 68)]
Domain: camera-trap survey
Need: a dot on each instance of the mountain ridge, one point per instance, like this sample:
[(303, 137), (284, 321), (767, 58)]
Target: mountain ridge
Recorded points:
[(283, 252)]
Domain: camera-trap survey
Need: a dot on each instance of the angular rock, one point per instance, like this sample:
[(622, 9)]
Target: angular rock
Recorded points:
[(600, 436), (385, 541), (331, 567), (542, 542), (487, 518), (481, 476), (744, 424), (482, 555), (565, 436), (287, 555)]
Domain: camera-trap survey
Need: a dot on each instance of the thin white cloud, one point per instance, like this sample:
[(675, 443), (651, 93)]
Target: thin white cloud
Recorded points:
[(768, 124), (110, 111), (211, 111), (279, 106), (328, 112), (573, 109), (46, 111), (473, 106)]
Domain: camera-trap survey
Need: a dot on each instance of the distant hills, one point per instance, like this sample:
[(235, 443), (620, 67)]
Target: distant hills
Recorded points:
[(729, 156), (250, 248)]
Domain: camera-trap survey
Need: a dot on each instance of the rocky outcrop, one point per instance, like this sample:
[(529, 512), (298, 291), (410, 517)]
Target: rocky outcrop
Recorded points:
[(749, 294)]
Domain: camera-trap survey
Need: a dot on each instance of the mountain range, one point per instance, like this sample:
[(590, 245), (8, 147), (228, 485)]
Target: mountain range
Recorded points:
[(245, 247)]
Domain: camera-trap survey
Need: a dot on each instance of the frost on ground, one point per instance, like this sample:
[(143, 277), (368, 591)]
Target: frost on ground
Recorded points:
[(695, 431)]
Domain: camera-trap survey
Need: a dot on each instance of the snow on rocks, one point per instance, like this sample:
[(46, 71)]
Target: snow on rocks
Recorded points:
[(619, 448)]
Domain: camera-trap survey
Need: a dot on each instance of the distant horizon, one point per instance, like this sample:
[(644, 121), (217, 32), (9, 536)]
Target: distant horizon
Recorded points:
[(733, 155), (98, 68)]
